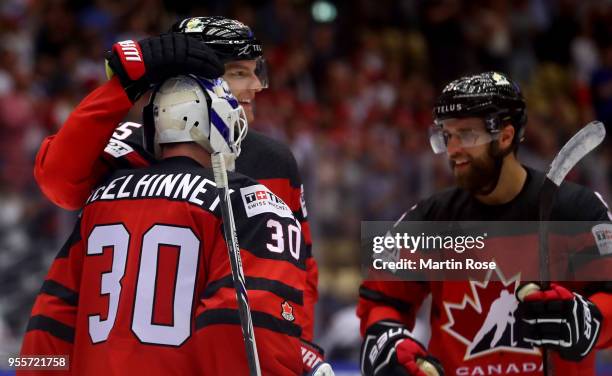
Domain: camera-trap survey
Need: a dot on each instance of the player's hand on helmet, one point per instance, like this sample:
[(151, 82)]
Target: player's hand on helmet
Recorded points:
[(558, 319), (389, 350), (139, 65)]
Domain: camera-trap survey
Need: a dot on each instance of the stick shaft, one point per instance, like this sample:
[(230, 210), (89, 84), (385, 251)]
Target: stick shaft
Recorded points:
[(584, 141), (233, 249), (547, 198)]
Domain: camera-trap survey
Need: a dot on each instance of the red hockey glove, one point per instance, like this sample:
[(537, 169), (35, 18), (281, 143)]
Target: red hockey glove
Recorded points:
[(558, 319), (389, 350), (149, 61)]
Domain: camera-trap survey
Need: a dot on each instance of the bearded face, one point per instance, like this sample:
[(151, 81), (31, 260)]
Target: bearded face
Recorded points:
[(478, 174), (474, 156)]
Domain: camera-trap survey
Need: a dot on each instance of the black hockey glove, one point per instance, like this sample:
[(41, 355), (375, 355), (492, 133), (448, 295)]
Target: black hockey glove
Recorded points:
[(147, 62), (558, 319), (389, 350)]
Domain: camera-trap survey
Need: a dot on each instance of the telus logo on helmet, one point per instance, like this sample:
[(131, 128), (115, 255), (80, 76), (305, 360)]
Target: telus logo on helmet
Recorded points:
[(449, 108)]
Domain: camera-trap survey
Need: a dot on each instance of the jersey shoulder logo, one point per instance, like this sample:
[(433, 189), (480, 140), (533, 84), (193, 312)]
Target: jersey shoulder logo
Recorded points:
[(117, 149), (259, 199), (118, 144), (603, 238)]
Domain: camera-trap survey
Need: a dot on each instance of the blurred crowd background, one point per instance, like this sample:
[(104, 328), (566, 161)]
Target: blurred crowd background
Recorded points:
[(352, 89)]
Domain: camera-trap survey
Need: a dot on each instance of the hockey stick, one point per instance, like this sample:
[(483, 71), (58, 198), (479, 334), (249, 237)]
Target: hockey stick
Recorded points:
[(233, 250), (571, 153)]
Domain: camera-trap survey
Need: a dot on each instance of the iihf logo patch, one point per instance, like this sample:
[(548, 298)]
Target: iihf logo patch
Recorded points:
[(287, 311)]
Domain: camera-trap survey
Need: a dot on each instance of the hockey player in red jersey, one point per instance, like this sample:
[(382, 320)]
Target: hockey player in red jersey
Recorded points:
[(144, 284), (93, 142), (478, 327)]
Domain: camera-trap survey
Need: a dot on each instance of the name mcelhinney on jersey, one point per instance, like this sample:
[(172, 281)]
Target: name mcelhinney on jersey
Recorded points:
[(259, 199), (192, 188)]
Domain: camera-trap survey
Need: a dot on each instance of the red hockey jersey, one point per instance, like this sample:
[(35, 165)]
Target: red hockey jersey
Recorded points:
[(93, 141), (144, 283)]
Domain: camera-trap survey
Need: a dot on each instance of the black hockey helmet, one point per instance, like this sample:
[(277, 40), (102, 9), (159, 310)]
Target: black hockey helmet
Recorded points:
[(492, 96), (230, 39)]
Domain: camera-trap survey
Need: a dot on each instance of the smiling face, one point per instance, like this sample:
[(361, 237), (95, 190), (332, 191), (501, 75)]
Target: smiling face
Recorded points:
[(243, 82), (475, 156)]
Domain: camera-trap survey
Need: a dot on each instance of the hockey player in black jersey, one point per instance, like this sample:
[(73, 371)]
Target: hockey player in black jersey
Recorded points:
[(479, 123)]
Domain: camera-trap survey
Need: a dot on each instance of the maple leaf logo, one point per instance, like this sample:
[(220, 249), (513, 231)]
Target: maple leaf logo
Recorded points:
[(484, 320), (287, 311)]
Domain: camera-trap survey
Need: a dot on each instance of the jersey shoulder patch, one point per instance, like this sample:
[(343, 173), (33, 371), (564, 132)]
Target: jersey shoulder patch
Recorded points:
[(603, 238), (117, 149), (127, 135), (258, 199)]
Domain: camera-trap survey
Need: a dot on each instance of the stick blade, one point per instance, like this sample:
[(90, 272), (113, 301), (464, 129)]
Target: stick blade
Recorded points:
[(575, 149)]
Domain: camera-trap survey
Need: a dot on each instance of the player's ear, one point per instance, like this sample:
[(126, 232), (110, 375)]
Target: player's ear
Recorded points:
[(506, 136)]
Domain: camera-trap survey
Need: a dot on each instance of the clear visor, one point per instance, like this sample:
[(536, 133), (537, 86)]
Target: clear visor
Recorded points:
[(261, 71), (467, 137)]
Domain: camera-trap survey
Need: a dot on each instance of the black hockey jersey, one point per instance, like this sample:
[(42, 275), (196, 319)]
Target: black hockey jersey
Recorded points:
[(464, 317)]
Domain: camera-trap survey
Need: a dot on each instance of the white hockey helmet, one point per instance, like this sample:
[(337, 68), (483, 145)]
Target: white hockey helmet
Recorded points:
[(204, 111)]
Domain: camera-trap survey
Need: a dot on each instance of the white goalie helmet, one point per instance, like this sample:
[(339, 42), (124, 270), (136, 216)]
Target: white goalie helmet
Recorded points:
[(204, 111)]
